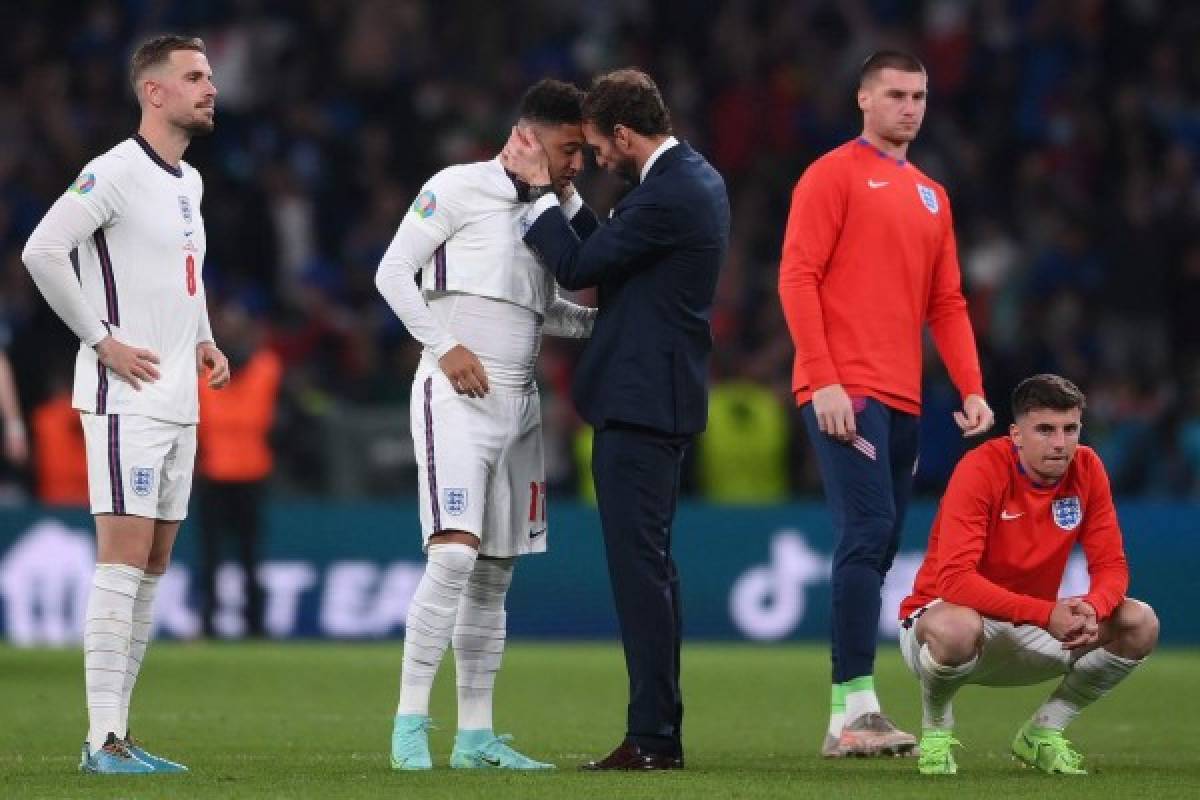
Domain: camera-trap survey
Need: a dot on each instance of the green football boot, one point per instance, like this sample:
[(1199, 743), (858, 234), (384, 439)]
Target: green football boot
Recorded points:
[(1046, 749), (483, 749), (937, 757)]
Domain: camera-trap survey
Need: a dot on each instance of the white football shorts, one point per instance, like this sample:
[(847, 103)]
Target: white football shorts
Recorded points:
[(138, 465), (480, 466), (1013, 655)]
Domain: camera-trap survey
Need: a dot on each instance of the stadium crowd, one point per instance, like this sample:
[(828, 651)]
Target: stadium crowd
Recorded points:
[(1066, 132)]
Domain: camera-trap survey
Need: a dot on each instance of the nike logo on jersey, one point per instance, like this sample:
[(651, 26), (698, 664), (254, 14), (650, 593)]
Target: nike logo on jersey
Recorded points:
[(535, 534), (1007, 516), (876, 184)]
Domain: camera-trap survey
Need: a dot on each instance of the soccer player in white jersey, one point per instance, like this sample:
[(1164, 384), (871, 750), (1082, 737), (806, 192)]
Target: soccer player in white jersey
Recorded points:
[(481, 308), (118, 258)]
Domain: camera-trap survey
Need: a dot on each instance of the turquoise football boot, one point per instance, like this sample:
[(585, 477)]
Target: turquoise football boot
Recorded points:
[(410, 742), (482, 749), (160, 764), (113, 758)]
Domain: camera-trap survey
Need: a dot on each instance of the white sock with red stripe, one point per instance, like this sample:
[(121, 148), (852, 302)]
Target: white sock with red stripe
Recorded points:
[(107, 632), (430, 622)]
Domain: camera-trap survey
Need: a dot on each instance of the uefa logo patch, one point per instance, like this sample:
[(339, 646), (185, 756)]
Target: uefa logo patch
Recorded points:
[(928, 197), (455, 501), (84, 183), (1068, 513), (425, 204), (141, 480)]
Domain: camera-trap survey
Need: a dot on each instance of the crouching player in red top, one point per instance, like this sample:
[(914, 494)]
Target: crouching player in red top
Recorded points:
[(984, 606)]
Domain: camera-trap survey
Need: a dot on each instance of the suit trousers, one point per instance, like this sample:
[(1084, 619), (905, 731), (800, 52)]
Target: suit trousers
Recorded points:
[(637, 471)]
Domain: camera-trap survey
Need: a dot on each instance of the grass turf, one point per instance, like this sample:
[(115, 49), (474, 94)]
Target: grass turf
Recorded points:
[(313, 720)]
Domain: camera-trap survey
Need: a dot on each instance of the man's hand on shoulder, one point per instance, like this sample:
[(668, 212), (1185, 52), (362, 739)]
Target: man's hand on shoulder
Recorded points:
[(464, 371), (134, 365), (976, 416)]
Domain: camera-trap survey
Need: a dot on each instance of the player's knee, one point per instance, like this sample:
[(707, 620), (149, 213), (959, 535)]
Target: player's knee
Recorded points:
[(455, 537), (1137, 628), (953, 635), (156, 564)]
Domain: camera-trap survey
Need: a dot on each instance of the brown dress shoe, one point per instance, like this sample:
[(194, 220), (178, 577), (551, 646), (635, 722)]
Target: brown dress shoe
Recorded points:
[(629, 756)]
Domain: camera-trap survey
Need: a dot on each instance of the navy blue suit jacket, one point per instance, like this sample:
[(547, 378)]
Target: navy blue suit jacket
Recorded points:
[(655, 262)]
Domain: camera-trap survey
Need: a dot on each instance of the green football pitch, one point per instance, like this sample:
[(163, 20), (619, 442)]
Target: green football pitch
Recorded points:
[(313, 720)]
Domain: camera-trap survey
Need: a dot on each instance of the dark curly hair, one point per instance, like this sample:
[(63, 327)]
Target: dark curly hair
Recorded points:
[(552, 102), (627, 97)]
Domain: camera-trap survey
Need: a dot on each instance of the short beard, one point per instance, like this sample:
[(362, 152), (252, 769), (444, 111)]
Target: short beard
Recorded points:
[(627, 169), (199, 127)]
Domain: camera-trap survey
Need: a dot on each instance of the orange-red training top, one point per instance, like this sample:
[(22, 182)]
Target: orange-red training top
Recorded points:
[(869, 257), (1000, 542)]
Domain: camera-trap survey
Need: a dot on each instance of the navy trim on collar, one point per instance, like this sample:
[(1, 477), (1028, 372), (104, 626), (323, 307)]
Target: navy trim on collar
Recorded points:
[(1028, 477), (863, 141), (156, 158)]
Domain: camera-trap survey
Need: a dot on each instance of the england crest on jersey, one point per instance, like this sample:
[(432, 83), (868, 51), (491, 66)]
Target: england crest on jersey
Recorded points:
[(185, 209), (1068, 513), (455, 501), (141, 480), (928, 197)]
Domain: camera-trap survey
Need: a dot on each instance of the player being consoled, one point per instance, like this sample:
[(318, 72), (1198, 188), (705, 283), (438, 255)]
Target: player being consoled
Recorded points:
[(984, 606), (118, 258), (480, 311)]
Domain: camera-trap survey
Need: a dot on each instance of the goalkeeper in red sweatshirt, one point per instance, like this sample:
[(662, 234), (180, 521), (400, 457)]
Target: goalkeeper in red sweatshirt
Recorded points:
[(984, 607)]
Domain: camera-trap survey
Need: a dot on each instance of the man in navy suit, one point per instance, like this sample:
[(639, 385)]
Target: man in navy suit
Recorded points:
[(642, 382)]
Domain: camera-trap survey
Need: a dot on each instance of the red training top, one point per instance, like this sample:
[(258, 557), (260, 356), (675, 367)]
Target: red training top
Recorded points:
[(868, 258), (1000, 542)]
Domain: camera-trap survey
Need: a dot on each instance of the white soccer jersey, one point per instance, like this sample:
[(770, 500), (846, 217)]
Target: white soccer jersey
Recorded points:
[(464, 235), (141, 273), (469, 216)]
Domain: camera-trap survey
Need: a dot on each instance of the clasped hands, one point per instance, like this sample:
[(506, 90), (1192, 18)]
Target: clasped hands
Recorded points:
[(1073, 622)]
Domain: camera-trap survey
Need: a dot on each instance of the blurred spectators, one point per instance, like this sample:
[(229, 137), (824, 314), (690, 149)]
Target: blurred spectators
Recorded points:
[(60, 455), (1067, 133), (235, 459)]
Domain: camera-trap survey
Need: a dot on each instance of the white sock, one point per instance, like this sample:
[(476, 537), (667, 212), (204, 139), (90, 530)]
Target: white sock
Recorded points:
[(106, 635), (1091, 677), (479, 633), (143, 624), (860, 701), (430, 622), (938, 685)]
